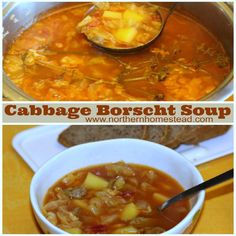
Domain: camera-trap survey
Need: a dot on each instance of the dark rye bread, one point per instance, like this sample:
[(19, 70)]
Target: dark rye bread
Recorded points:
[(201, 133), (170, 136), (173, 135), (194, 134), (82, 134)]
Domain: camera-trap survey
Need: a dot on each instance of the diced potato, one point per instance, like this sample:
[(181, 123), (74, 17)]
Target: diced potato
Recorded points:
[(80, 203), (132, 18), (112, 15), (73, 230), (94, 182), (126, 230), (129, 212), (126, 34), (160, 197)]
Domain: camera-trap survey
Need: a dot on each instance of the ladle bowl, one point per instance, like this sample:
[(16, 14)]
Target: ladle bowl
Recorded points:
[(131, 50)]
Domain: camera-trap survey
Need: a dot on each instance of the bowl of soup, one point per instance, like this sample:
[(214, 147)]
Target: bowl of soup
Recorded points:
[(115, 187), (46, 57)]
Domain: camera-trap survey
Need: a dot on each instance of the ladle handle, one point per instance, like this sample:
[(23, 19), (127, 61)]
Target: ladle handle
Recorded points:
[(171, 9), (209, 183)]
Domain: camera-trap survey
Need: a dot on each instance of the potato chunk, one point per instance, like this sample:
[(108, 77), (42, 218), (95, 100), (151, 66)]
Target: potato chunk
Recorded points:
[(132, 18), (112, 14), (129, 212), (94, 182), (126, 35)]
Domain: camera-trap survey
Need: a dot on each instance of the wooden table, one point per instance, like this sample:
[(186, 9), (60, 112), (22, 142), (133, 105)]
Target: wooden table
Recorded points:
[(217, 215)]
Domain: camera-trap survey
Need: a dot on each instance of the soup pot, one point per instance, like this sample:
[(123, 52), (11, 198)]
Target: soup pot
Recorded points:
[(129, 150), (215, 16)]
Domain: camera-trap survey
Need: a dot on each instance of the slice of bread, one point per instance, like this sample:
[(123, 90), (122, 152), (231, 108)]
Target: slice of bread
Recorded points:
[(78, 134), (200, 133), (168, 135)]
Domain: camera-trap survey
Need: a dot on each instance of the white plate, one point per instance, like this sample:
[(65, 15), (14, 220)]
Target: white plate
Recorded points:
[(37, 145)]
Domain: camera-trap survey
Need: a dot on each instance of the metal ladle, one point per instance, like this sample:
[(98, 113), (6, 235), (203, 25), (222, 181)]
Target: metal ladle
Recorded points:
[(206, 184), (132, 49)]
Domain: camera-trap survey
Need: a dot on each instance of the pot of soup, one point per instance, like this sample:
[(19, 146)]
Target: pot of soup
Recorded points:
[(46, 57)]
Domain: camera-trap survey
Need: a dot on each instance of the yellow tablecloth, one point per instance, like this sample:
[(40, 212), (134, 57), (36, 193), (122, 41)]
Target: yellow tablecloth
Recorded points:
[(217, 215)]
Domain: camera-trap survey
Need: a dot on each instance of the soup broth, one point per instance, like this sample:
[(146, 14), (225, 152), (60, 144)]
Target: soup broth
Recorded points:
[(115, 198), (51, 60)]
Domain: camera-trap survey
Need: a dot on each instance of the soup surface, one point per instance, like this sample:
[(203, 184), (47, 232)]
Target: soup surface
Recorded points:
[(51, 60), (115, 198)]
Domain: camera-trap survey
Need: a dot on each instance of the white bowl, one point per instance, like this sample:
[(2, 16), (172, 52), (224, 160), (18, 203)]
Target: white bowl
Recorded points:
[(128, 150)]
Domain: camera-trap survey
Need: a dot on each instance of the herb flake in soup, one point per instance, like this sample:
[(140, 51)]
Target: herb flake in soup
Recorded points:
[(52, 61)]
